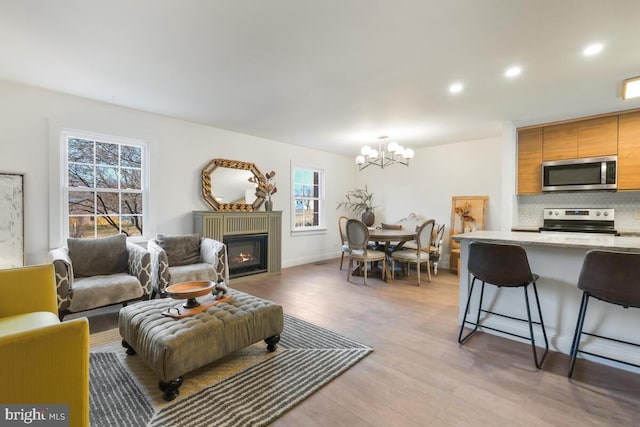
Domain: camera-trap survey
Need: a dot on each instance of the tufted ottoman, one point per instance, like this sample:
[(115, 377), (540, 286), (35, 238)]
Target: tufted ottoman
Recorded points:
[(174, 347)]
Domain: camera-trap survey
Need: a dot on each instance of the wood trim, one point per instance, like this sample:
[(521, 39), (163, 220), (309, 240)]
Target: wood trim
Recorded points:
[(577, 119)]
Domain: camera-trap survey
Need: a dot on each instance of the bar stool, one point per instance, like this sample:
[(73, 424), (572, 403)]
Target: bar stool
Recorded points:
[(503, 266), (610, 277)]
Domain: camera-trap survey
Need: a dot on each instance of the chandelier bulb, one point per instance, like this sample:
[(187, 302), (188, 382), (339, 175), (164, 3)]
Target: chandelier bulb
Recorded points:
[(408, 153)]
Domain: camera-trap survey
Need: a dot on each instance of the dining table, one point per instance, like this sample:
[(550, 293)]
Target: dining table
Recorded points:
[(385, 237)]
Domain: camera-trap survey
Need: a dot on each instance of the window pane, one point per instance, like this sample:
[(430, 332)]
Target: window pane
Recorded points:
[(107, 226), (80, 175), (130, 156), (108, 203), (308, 177), (81, 203), (106, 154), (81, 226), (106, 177), (132, 225), (131, 179), (132, 203), (80, 150)]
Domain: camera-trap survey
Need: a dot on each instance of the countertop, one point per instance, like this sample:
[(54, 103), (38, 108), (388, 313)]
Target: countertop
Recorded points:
[(575, 240)]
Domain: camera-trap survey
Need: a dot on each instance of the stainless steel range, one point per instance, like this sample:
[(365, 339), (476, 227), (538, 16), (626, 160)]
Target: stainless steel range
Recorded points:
[(580, 220)]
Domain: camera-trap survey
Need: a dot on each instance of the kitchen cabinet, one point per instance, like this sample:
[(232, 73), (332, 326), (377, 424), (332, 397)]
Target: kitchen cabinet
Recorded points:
[(629, 151), (598, 137), (530, 161), (560, 142)]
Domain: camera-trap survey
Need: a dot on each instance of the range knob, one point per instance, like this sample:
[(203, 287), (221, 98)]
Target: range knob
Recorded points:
[(557, 213), (598, 213), (605, 213)]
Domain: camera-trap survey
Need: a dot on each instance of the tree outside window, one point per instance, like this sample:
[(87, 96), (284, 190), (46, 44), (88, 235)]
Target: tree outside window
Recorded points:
[(105, 188)]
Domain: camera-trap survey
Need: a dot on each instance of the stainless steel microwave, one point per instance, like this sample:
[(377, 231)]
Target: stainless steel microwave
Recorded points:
[(595, 173)]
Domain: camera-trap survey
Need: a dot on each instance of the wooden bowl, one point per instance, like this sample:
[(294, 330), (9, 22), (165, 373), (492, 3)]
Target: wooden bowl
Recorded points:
[(190, 291)]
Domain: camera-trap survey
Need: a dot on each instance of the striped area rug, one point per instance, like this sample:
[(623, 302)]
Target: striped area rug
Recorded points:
[(248, 388)]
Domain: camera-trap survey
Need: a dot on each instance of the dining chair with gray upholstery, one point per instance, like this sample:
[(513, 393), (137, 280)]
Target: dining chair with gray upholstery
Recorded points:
[(419, 254), (359, 250), (342, 225)]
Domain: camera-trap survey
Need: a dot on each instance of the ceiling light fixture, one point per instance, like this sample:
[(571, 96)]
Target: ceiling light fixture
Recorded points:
[(513, 71), (592, 49), (631, 88), (456, 88), (385, 155)]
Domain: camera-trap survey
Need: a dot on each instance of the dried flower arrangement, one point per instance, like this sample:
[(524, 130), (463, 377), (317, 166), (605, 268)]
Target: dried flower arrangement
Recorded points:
[(266, 187), (465, 212)]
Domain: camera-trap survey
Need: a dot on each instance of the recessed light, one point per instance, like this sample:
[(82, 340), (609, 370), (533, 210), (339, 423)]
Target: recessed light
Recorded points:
[(593, 49), (631, 88), (513, 71), (456, 88)]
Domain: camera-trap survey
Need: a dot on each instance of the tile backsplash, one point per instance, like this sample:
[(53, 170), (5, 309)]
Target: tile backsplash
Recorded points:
[(626, 204)]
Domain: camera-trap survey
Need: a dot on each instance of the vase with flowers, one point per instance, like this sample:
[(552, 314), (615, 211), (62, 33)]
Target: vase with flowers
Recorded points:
[(360, 201), (266, 187), (466, 221)]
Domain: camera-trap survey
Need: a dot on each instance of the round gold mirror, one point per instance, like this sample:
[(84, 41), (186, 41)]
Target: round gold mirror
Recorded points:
[(230, 185)]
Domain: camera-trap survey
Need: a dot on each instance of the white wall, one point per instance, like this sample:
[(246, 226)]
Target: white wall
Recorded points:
[(178, 150), (435, 175)]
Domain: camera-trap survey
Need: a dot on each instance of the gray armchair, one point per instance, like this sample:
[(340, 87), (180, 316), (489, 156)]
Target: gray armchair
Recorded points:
[(93, 273), (185, 258)]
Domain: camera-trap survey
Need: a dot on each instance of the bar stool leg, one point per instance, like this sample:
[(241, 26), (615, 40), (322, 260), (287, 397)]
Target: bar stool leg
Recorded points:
[(533, 340), (578, 333), (544, 331), (463, 340)]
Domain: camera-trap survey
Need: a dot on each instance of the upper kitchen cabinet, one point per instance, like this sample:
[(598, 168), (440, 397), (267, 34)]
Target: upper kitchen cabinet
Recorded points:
[(530, 161), (560, 142), (629, 151), (598, 137)]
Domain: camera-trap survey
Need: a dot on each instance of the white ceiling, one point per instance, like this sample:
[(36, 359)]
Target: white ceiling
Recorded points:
[(331, 74)]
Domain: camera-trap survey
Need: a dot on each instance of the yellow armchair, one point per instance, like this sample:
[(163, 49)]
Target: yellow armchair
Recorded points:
[(42, 360)]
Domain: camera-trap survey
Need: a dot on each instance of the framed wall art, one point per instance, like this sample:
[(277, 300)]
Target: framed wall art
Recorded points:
[(11, 220)]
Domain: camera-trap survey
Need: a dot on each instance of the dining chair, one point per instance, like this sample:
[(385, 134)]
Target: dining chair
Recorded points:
[(359, 250), (342, 226), (435, 250), (417, 256)]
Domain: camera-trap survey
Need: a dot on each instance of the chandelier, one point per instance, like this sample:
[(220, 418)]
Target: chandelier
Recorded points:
[(385, 155)]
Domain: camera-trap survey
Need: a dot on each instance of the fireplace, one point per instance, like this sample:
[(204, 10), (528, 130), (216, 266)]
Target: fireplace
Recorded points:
[(247, 254)]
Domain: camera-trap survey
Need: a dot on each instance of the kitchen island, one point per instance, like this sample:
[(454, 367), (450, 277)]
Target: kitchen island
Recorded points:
[(557, 258)]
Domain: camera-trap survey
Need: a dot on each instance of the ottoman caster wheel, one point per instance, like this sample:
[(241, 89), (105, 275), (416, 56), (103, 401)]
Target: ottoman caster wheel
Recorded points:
[(130, 351), (272, 343), (171, 389)]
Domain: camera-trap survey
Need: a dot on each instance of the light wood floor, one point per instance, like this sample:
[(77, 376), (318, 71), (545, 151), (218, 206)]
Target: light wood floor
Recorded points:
[(418, 375)]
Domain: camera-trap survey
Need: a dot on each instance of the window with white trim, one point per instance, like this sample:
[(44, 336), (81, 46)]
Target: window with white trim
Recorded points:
[(307, 197), (105, 185)]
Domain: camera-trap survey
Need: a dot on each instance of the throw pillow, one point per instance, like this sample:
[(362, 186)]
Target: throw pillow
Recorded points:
[(101, 256), (181, 250)]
